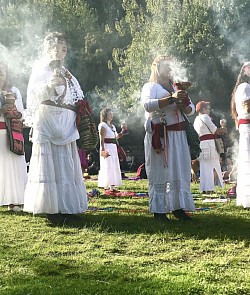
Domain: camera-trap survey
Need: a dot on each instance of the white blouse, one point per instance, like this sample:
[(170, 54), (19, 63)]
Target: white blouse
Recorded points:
[(37, 89), (242, 94), (150, 95), (204, 125), (51, 123)]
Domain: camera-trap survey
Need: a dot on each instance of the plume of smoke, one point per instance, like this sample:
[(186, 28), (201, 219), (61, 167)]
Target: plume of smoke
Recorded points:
[(233, 23), (24, 47), (178, 71)]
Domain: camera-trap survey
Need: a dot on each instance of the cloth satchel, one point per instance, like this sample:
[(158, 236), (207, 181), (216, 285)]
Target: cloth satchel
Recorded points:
[(86, 126), (120, 150), (219, 145), (15, 135), (121, 153), (14, 129), (192, 139)]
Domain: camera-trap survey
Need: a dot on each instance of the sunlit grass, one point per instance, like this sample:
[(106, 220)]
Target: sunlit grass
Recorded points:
[(119, 248)]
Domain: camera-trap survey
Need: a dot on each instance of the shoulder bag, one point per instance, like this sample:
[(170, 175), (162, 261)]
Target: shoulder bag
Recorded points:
[(86, 126), (14, 127), (192, 139)]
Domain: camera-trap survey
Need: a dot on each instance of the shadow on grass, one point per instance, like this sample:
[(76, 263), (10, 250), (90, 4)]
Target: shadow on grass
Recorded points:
[(53, 277), (213, 225), (221, 223)]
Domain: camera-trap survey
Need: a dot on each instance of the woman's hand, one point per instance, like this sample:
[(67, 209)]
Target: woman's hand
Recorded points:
[(180, 95), (56, 81), (7, 108), (158, 151), (119, 135), (105, 154), (10, 111), (182, 100)]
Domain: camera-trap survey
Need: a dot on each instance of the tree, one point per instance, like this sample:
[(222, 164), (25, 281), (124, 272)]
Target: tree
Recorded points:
[(25, 23), (191, 31)]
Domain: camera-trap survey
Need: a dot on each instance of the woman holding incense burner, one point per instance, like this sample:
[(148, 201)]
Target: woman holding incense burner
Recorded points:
[(13, 175), (209, 158), (240, 108), (109, 175), (55, 184), (167, 157)]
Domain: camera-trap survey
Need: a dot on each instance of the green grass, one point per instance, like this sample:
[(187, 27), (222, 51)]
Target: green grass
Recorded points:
[(123, 250)]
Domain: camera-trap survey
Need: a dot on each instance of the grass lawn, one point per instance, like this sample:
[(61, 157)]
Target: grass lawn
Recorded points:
[(118, 248)]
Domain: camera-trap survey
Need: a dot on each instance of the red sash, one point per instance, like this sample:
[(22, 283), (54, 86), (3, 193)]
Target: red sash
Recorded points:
[(2, 125), (160, 130), (176, 127), (243, 121), (110, 140), (207, 137)]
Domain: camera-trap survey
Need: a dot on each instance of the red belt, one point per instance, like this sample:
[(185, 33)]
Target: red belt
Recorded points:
[(160, 130), (243, 121), (2, 125), (110, 140), (176, 127), (207, 137)]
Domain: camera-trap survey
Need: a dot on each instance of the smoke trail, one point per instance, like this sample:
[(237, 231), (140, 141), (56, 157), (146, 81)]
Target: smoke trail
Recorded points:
[(24, 44)]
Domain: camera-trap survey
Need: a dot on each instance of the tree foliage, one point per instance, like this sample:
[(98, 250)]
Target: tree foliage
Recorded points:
[(114, 42), (200, 33), (25, 23)]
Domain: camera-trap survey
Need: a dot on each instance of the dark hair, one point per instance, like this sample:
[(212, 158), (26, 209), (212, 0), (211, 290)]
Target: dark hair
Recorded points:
[(104, 114), (241, 79), (52, 38)]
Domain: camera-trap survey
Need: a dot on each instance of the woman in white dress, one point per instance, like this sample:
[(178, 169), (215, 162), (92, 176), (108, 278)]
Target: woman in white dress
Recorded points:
[(209, 158), (109, 175), (240, 107), (13, 175), (167, 156), (55, 183)]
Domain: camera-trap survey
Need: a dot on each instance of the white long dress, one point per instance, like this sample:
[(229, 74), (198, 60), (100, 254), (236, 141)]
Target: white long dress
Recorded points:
[(110, 172), (55, 182), (13, 175), (209, 158), (243, 178), (169, 184)]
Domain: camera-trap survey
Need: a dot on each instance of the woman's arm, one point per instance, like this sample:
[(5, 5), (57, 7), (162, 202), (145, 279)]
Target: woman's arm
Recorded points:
[(149, 98), (18, 101), (212, 127), (102, 133)]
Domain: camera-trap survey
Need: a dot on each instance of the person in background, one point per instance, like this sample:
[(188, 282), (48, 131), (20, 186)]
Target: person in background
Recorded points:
[(130, 158), (93, 163), (83, 159), (13, 175), (209, 158), (55, 183), (167, 156), (109, 175), (240, 109)]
